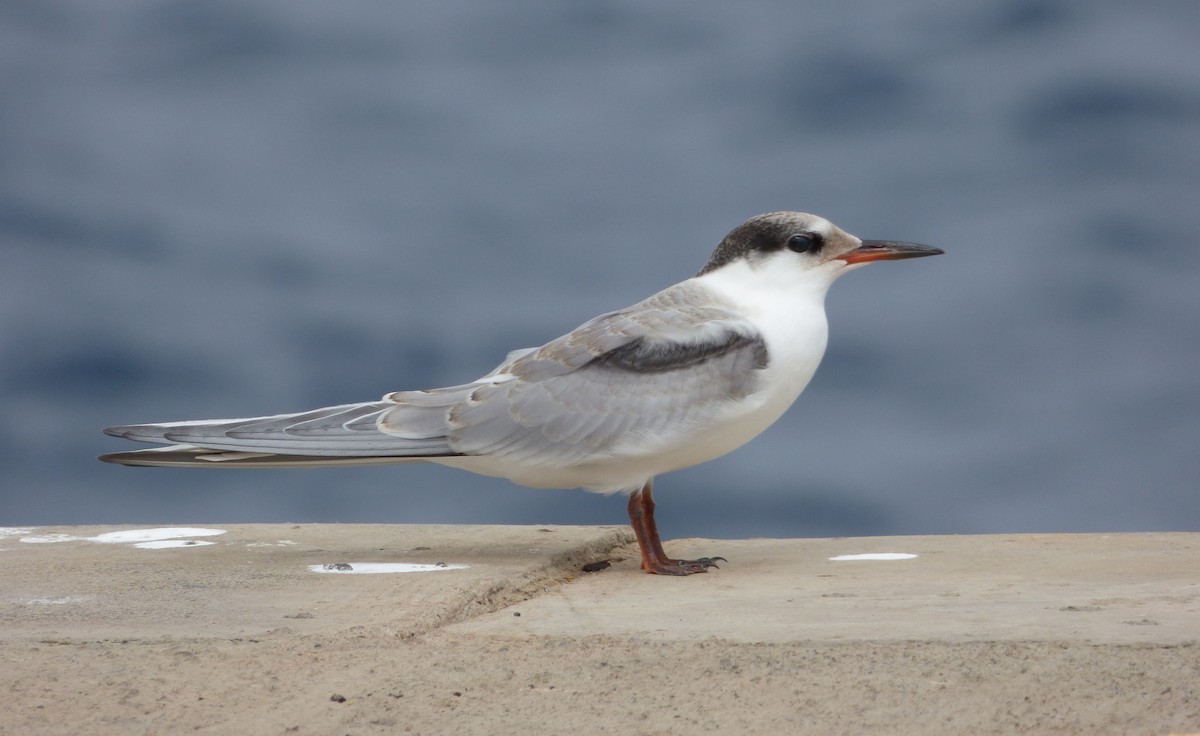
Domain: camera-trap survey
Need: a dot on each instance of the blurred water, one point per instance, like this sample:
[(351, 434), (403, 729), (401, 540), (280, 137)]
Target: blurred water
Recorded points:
[(227, 208)]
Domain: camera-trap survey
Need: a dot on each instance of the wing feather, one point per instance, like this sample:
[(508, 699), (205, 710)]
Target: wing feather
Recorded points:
[(348, 430), (657, 368), (652, 372)]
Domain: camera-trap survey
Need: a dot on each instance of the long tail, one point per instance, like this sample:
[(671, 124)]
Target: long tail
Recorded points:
[(337, 435)]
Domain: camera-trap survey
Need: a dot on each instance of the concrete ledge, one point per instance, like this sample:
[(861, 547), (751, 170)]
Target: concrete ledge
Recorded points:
[(1103, 589), (97, 583), (246, 631)]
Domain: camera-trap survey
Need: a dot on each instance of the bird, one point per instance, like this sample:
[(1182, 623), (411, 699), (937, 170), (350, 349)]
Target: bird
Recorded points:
[(685, 376)]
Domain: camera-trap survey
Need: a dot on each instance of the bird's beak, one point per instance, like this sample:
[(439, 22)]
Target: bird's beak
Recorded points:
[(888, 250)]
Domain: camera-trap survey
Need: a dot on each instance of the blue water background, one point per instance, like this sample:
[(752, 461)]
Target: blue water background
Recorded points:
[(212, 208)]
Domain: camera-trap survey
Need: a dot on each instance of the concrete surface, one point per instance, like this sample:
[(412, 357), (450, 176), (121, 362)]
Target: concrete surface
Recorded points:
[(247, 631)]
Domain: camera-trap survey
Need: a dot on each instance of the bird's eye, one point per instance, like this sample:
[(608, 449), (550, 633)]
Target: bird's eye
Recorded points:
[(804, 243)]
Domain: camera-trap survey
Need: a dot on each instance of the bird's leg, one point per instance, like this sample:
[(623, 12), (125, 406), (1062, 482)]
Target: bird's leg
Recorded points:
[(654, 559)]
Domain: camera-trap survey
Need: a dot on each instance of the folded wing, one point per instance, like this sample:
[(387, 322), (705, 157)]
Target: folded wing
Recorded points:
[(654, 371)]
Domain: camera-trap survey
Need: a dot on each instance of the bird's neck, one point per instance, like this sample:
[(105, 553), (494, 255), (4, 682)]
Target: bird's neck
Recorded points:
[(787, 308)]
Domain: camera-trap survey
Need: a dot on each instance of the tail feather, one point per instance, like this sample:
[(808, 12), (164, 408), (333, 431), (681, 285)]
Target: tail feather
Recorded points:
[(351, 433), (190, 456)]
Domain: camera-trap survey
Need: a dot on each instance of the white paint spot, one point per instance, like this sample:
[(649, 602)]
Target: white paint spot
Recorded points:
[(168, 543), (153, 535), (874, 556), (56, 601), (159, 538), (374, 568)]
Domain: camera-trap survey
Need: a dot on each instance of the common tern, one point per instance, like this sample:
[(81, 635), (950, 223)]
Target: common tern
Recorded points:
[(685, 376)]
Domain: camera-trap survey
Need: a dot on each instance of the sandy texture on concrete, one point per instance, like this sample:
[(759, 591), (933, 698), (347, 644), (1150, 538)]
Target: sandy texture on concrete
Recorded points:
[(1023, 634), (1110, 589), (254, 580)]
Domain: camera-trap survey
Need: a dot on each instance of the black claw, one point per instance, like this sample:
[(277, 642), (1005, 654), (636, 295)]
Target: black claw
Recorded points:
[(687, 567), (704, 562)]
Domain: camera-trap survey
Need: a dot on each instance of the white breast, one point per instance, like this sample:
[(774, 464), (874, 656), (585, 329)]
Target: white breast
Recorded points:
[(788, 308)]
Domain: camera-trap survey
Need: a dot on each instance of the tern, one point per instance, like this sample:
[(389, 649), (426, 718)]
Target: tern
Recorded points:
[(685, 376)]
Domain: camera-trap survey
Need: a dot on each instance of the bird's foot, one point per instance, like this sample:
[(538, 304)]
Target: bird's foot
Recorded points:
[(654, 559), (666, 566)]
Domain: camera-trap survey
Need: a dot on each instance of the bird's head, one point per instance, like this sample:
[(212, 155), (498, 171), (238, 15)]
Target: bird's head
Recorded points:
[(797, 241)]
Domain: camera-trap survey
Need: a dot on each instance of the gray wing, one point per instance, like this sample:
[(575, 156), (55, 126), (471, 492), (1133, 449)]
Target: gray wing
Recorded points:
[(654, 369), (666, 363)]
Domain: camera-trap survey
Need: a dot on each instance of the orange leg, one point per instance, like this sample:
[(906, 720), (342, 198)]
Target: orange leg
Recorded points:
[(654, 559)]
